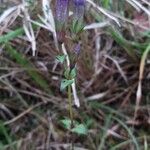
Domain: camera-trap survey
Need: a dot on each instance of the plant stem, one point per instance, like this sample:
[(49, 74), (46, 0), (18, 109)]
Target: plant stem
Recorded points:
[(71, 113), (70, 105)]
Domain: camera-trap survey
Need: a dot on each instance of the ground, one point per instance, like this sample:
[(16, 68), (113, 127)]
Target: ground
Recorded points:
[(112, 78)]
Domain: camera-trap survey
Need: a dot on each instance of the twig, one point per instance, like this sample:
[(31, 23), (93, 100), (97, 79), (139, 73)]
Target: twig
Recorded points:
[(103, 11), (141, 71), (23, 113)]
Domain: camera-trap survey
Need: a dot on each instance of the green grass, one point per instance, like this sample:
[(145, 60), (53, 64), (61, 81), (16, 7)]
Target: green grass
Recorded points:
[(11, 35), (5, 138)]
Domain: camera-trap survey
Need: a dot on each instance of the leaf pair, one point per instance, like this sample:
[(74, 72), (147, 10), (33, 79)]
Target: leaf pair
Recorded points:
[(79, 128)]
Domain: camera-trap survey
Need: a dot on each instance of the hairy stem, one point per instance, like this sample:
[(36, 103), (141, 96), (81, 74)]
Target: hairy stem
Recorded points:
[(70, 105), (70, 113)]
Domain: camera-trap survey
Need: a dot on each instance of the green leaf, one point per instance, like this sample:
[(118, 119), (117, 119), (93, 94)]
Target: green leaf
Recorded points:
[(70, 74), (80, 129), (65, 83), (66, 123), (77, 26), (66, 73), (13, 34), (61, 58), (73, 73), (105, 4)]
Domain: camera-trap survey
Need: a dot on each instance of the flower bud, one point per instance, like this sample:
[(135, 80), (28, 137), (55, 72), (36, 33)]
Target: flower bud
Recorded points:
[(74, 55), (61, 17), (77, 49), (61, 12), (78, 9)]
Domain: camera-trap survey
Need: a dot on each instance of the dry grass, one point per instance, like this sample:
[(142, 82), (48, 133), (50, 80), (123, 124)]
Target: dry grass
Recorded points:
[(113, 79)]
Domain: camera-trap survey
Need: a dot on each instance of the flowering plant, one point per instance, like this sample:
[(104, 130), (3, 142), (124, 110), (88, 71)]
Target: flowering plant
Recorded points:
[(69, 59), (62, 14)]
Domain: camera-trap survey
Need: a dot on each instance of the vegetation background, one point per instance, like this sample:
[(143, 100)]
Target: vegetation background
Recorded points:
[(113, 78)]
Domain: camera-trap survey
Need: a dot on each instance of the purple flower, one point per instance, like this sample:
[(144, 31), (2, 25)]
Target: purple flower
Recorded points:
[(77, 49), (78, 6), (61, 12), (75, 55), (79, 2)]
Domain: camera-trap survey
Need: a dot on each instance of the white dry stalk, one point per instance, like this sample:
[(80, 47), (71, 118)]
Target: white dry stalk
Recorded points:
[(8, 17), (6, 110), (28, 27), (73, 85), (141, 71), (70, 13), (97, 25), (146, 2), (129, 21), (113, 133), (117, 16), (48, 13), (134, 5), (103, 11), (138, 94), (146, 145), (141, 7), (138, 6), (7, 13), (97, 54), (66, 54), (39, 24), (48, 20), (97, 96), (48, 26)]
